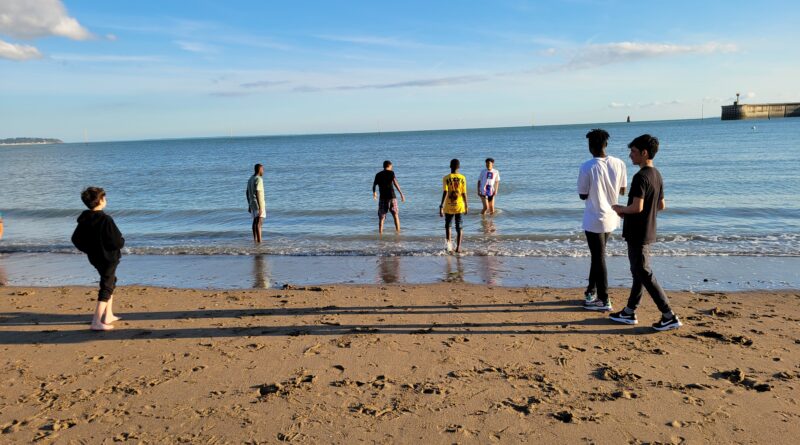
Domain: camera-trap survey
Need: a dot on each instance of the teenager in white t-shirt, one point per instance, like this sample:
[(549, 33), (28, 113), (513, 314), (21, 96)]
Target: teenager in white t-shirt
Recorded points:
[(488, 186), (600, 182)]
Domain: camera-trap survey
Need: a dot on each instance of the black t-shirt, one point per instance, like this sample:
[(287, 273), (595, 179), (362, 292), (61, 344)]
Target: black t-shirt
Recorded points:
[(385, 182), (640, 228)]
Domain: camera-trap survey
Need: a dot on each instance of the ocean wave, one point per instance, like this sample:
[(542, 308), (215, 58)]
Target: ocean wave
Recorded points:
[(532, 245), (572, 213)]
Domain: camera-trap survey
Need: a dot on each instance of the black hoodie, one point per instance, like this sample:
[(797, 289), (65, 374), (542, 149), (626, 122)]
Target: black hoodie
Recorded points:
[(98, 237)]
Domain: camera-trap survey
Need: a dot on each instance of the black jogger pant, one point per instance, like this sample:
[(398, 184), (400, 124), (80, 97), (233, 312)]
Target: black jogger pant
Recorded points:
[(108, 279), (598, 275), (643, 278)]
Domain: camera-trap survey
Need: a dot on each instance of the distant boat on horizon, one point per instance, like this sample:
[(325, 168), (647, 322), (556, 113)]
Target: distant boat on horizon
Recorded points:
[(629, 119)]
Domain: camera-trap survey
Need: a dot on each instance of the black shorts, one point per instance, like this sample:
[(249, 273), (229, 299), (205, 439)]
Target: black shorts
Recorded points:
[(488, 198), (448, 220), (108, 279)]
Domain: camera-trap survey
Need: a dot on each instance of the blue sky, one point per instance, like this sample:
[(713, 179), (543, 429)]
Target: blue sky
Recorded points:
[(165, 69)]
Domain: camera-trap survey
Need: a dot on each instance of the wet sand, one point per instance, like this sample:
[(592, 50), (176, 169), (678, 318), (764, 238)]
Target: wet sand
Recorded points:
[(444, 363)]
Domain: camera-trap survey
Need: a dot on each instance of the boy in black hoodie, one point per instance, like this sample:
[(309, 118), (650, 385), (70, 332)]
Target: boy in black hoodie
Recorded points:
[(98, 237)]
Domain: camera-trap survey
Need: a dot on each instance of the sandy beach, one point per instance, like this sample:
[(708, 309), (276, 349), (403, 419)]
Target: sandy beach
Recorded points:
[(444, 363)]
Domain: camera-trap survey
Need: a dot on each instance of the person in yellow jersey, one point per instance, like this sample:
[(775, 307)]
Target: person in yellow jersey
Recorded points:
[(454, 203)]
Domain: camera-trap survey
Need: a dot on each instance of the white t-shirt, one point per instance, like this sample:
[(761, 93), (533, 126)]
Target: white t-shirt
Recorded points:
[(255, 196), (601, 179), (488, 181)]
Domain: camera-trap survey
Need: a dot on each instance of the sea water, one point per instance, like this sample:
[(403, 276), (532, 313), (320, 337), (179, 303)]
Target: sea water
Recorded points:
[(731, 189)]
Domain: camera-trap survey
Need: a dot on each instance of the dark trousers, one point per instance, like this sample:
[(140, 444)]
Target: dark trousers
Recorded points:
[(643, 278), (108, 279), (448, 220), (598, 274)]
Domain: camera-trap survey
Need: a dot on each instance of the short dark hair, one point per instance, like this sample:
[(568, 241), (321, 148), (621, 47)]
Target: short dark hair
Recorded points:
[(387, 163), (455, 164), (489, 160), (646, 142), (256, 167), (598, 140), (91, 196)]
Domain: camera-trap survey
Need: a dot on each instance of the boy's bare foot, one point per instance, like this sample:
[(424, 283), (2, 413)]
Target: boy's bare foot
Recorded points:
[(112, 319), (101, 327)]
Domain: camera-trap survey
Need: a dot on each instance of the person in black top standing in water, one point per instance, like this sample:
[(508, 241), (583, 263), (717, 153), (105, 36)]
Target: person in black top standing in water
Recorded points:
[(386, 181), (645, 200)]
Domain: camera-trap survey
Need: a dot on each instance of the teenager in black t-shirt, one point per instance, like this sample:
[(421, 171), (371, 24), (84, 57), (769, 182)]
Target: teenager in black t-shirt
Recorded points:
[(385, 181), (645, 200)]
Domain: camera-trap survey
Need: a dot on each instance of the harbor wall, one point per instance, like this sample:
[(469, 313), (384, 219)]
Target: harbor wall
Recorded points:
[(760, 111)]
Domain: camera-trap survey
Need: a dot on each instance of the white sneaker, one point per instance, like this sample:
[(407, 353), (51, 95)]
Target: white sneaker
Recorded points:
[(597, 305)]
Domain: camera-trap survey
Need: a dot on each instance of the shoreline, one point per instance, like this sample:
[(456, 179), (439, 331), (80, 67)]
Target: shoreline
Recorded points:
[(440, 364), (273, 271)]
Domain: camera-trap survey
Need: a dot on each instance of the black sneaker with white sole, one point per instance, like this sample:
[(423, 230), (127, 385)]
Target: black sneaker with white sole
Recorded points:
[(667, 324), (622, 317)]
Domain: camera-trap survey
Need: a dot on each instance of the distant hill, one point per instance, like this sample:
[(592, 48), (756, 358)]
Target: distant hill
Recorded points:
[(27, 141)]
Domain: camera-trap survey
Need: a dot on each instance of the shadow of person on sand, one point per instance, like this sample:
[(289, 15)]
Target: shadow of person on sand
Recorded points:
[(589, 326)]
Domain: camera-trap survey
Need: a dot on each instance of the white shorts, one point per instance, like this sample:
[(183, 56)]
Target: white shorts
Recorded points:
[(254, 213)]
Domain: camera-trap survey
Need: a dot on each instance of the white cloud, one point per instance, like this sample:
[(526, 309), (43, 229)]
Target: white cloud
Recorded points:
[(417, 83), (657, 103), (264, 83), (103, 58), (596, 55), (13, 51), (29, 19), (196, 47), (390, 42), (619, 105), (750, 95)]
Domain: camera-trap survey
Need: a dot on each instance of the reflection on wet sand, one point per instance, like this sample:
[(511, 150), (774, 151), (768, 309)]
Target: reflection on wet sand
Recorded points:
[(487, 225), (488, 265), (488, 269), (455, 270), (260, 272), (389, 267)]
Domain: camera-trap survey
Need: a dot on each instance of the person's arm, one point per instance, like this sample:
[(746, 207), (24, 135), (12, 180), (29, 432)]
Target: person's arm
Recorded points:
[(464, 195), (112, 236), (374, 184), (260, 198), (247, 196), (637, 206), (583, 185), (441, 204), (397, 185), (1, 228), (624, 176), (662, 204), (78, 240)]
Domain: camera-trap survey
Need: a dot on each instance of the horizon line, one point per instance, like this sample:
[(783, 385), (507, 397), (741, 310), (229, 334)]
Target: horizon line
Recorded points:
[(372, 132)]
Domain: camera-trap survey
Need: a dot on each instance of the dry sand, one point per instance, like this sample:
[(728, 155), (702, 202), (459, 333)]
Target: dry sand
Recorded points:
[(448, 363)]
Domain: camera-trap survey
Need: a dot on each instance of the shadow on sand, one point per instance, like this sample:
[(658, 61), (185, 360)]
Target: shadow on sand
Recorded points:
[(590, 326)]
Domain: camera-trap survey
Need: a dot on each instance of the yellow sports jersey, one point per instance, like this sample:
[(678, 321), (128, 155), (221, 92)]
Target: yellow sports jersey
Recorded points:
[(455, 185)]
